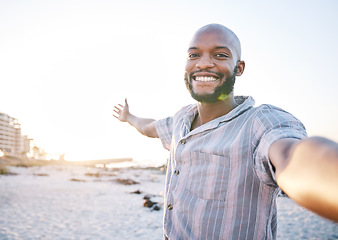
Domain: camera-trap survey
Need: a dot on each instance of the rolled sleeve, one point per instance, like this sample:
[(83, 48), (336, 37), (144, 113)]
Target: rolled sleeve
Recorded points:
[(164, 131)]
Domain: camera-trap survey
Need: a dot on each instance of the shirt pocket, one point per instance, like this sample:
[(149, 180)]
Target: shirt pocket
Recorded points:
[(208, 176)]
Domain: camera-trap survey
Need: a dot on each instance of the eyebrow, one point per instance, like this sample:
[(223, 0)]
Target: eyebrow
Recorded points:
[(217, 47), (192, 48), (222, 47)]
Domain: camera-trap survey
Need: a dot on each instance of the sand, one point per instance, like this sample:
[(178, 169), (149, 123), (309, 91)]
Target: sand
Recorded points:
[(68, 202)]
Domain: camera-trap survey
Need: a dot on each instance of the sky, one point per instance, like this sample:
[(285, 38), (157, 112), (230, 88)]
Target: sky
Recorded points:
[(65, 64)]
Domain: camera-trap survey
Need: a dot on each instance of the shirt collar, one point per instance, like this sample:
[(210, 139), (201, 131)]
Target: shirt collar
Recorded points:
[(245, 103)]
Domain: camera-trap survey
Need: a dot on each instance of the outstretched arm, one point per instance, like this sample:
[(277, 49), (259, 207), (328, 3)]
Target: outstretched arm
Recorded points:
[(307, 171), (146, 126)]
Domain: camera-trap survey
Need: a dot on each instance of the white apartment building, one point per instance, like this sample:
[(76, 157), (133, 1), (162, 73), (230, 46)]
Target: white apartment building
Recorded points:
[(11, 140), (12, 143)]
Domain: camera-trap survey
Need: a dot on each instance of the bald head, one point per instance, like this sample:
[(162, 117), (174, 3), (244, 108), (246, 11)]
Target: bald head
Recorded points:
[(213, 63), (224, 34)]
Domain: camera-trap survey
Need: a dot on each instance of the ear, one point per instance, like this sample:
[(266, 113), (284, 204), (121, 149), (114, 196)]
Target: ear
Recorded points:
[(240, 68)]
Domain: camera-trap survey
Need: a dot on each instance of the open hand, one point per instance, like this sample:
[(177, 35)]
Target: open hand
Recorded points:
[(122, 112)]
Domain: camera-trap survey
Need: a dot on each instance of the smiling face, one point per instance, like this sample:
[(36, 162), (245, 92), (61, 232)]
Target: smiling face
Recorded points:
[(213, 63)]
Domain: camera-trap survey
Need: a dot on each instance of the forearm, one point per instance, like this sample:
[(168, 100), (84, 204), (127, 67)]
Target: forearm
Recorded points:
[(311, 176), (144, 125)]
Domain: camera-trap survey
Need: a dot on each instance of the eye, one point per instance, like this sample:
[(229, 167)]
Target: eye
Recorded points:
[(221, 55), (192, 56)]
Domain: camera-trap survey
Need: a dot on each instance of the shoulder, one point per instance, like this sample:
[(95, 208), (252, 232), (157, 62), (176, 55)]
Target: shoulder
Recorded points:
[(272, 114), (268, 108), (270, 119), (189, 109), (179, 115)]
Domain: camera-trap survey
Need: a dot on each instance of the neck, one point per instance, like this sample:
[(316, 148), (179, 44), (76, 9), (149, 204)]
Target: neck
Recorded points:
[(210, 111)]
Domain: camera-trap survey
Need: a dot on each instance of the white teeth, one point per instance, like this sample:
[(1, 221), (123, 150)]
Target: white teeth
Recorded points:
[(205, 79)]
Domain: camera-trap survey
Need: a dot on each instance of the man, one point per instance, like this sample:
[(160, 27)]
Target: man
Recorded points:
[(229, 159)]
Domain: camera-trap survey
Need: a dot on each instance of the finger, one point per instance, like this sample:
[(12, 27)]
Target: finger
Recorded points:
[(118, 105), (118, 112)]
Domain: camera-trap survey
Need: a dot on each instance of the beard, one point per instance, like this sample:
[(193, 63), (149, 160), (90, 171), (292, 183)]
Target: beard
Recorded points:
[(221, 92)]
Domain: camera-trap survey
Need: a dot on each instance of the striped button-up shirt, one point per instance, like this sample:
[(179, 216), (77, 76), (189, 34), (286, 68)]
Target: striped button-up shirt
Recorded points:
[(220, 183)]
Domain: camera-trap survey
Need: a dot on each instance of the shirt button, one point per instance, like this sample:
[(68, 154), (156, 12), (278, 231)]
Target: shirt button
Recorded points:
[(170, 207), (183, 141), (176, 172)]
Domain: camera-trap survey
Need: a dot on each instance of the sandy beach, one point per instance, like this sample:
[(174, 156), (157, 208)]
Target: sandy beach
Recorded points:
[(74, 202)]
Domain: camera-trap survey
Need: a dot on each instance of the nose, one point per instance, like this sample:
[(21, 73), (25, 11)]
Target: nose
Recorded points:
[(205, 62)]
